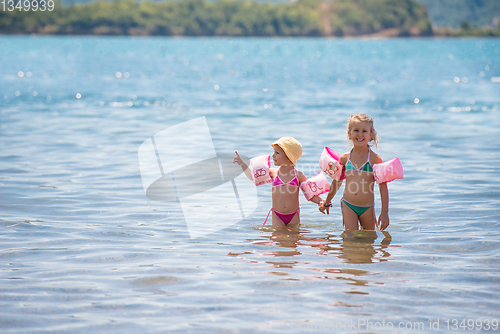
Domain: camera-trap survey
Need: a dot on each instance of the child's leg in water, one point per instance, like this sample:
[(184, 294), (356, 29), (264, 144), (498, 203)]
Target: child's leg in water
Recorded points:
[(349, 217), (368, 220)]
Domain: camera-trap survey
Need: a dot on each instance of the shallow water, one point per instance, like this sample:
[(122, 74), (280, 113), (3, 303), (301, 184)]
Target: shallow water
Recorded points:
[(84, 250)]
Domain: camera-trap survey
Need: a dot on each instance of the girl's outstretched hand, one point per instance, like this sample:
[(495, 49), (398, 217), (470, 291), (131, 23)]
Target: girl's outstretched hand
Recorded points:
[(237, 159), (383, 221)]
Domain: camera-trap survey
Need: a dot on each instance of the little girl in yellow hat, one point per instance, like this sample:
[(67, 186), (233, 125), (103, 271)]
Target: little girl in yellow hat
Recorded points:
[(286, 181)]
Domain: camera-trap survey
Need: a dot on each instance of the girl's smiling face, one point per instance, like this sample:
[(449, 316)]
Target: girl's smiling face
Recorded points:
[(279, 156), (360, 133)]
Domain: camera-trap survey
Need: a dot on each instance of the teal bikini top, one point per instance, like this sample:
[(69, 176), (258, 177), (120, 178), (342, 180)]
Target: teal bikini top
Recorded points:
[(367, 166)]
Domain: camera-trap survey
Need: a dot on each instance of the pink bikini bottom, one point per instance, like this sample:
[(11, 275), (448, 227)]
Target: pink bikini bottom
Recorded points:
[(285, 217)]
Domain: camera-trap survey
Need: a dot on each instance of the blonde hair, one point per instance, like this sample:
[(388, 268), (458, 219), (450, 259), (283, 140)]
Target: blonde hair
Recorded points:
[(363, 118)]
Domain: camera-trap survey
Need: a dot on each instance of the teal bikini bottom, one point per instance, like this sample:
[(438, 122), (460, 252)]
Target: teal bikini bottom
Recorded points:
[(358, 210)]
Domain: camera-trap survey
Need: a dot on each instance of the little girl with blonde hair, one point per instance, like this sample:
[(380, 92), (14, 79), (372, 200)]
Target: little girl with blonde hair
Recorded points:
[(357, 202)]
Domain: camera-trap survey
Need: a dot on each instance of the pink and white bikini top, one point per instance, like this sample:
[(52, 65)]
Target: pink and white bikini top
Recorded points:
[(279, 182)]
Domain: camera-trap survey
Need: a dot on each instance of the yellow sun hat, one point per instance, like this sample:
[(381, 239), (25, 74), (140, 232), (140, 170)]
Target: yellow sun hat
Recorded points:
[(291, 147)]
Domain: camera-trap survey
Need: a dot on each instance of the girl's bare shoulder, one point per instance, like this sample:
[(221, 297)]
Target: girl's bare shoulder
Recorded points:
[(301, 176), (344, 157), (273, 172), (375, 158)]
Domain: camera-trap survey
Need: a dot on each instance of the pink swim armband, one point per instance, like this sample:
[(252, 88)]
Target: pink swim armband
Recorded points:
[(315, 185), (329, 162), (388, 171), (260, 167)]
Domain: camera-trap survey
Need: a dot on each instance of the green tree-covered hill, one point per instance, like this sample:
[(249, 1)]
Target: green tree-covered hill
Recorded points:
[(387, 18), (225, 18), (442, 13)]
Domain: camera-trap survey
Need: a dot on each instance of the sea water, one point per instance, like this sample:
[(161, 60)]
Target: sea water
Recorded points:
[(84, 250)]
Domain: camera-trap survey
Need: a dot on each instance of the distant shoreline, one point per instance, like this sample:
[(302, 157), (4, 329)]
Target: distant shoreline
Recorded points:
[(374, 36), (234, 18)]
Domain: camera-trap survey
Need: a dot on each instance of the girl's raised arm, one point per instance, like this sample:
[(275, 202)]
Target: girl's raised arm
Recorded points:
[(238, 160)]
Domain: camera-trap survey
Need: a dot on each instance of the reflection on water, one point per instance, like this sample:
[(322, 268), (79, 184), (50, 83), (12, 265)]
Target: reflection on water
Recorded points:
[(360, 247), (354, 247)]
